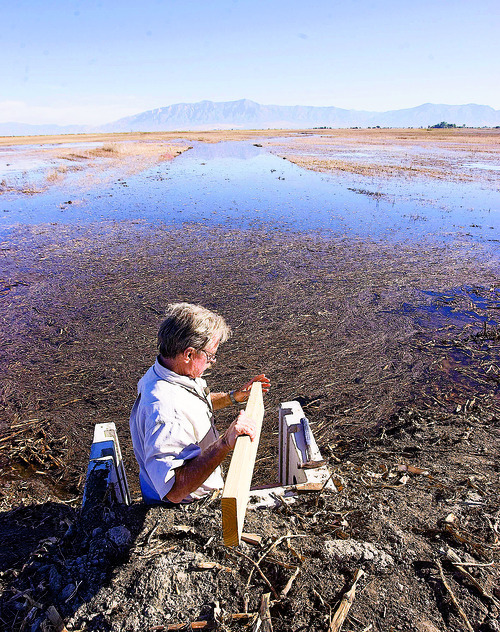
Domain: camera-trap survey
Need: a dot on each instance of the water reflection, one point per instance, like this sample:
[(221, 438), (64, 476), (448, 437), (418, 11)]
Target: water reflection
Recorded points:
[(240, 183)]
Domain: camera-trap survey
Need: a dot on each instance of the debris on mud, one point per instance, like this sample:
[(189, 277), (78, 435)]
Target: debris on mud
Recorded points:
[(139, 568), (400, 386)]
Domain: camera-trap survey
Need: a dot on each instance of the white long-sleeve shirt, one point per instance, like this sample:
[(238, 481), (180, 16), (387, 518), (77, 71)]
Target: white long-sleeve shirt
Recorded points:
[(171, 422)]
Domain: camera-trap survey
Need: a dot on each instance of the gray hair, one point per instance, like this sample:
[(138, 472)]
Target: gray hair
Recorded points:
[(188, 325)]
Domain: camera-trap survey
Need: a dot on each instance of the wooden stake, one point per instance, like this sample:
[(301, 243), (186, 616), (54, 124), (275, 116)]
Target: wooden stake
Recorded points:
[(345, 605), (237, 488)]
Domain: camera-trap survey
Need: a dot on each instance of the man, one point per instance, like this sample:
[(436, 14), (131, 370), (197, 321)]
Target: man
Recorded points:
[(176, 444)]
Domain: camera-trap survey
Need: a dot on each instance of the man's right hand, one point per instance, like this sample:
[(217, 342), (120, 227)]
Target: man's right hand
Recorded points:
[(242, 425)]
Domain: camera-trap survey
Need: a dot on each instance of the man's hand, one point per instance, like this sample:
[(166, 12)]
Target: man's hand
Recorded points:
[(242, 425), (194, 472), (222, 400), (243, 393)]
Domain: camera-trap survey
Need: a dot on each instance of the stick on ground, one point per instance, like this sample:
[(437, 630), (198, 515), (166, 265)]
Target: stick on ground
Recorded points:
[(453, 598), (345, 605)]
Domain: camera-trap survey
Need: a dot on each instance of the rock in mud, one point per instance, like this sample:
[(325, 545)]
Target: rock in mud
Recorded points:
[(355, 551), (120, 536)]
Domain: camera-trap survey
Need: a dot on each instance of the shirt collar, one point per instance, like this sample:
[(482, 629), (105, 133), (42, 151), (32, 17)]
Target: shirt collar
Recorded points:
[(197, 384)]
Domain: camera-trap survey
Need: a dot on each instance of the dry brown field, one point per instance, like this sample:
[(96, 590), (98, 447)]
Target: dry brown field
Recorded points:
[(464, 136)]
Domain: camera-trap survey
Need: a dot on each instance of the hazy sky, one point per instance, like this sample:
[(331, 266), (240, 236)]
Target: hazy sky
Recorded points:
[(91, 62)]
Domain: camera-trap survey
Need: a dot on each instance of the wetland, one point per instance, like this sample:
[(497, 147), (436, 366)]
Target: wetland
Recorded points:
[(358, 268)]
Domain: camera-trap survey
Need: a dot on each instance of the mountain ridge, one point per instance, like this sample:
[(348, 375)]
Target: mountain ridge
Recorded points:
[(248, 114)]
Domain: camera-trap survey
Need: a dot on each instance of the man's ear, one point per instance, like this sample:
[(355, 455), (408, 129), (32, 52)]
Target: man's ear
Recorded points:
[(188, 353)]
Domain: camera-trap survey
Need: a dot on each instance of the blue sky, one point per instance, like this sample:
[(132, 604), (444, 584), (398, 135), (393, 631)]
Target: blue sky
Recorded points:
[(91, 62)]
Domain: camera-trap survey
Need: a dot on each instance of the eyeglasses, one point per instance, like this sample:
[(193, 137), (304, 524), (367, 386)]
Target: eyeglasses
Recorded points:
[(211, 357)]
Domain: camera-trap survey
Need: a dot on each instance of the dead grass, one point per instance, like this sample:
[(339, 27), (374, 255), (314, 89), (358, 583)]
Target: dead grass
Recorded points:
[(25, 188), (96, 164), (479, 139), (396, 153), (128, 158), (55, 176), (146, 151), (456, 137), (330, 165), (206, 137), (156, 150)]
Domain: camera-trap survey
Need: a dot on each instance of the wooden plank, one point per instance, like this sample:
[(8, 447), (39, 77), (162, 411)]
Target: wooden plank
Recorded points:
[(305, 488), (252, 538), (237, 487)]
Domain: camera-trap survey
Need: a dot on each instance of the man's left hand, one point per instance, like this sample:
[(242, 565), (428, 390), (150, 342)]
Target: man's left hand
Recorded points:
[(243, 393)]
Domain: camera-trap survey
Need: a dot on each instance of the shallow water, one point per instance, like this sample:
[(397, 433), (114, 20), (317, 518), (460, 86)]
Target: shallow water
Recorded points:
[(239, 184), (463, 306), (20, 158), (483, 165)]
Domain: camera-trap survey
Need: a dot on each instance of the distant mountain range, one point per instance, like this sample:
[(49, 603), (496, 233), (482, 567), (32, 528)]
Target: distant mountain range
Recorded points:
[(245, 114)]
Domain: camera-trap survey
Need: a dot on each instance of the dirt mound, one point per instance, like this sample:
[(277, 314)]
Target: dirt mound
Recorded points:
[(141, 568)]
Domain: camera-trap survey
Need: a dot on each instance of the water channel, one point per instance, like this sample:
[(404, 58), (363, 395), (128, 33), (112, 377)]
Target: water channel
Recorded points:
[(239, 184)]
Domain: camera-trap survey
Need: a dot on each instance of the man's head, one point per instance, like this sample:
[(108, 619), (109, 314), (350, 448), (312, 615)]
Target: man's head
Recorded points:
[(191, 326)]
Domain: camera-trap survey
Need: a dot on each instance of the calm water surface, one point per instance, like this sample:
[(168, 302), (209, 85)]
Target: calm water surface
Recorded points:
[(238, 184)]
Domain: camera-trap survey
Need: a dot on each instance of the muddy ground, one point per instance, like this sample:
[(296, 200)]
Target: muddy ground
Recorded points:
[(389, 375)]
